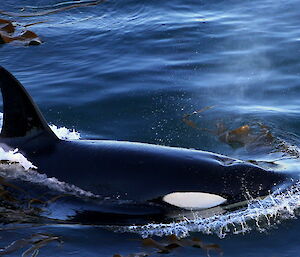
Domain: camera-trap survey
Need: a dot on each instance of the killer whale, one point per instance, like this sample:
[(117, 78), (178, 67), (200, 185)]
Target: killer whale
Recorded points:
[(140, 180)]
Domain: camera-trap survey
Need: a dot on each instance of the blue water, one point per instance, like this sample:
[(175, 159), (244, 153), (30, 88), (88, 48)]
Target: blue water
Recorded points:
[(130, 70)]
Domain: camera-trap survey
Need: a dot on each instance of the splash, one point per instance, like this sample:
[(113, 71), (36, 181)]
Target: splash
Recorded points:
[(15, 172), (65, 133), (13, 159), (258, 215), (14, 156)]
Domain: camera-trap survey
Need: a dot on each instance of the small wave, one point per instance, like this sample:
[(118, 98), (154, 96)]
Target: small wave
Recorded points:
[(259, 215), (16, 159), (14, 156), (15, 172), (60, 4), (65, 133)]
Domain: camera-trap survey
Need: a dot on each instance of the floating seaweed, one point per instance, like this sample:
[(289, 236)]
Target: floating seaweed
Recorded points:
[(45, 202), (132, 255), (8, 33), (52, 10), (253, 136), (18, 206), (35, 243), (9, 30), (170, 243), (186, 118), (245, 135)]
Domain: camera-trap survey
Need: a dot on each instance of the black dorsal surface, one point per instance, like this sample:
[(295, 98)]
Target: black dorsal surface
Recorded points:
[(21, 116)]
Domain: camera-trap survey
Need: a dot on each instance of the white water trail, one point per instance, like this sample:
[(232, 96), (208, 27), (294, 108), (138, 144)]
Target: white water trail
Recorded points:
[(16, 166), (65, 133), (258, 215), (33, 176), (14, 156)]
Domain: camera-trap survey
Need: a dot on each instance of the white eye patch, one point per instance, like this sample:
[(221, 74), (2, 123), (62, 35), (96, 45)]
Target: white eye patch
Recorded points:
[(193, 200)]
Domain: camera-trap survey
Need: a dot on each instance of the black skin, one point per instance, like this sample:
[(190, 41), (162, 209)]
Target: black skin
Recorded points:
[(133, 176), (145, 172)]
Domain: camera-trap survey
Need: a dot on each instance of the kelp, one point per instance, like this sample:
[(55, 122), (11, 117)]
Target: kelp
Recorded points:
[(52, 10), (251, 134), (255, 134), (7, 26), (18, 206), (186, 118), (9, 29), (35, 243), (8, 33), (132, 255), (170, 243)]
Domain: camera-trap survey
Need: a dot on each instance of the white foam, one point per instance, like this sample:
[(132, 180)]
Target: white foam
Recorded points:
[(15, 156), (16, 159), (14, 172), (65, 133), (259, 215)]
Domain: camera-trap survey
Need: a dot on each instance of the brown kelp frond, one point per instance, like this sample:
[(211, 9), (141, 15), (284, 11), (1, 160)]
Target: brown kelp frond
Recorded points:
[(132, 255), (7, 26), (8, 33), (52, 11), (253, 136), (3, 182), (39, 241), (186, 118), (18, 206), (249, 134), (35, 243), (172, 242), (32, 24), (45, 202)]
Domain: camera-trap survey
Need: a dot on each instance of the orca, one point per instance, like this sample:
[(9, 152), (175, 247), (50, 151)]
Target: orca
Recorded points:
[(139, 181)]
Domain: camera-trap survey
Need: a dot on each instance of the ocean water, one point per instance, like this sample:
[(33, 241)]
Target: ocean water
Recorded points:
[(141, 71)]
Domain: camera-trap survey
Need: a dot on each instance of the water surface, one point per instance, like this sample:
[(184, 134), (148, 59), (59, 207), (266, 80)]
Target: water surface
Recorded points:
[(131, 70)]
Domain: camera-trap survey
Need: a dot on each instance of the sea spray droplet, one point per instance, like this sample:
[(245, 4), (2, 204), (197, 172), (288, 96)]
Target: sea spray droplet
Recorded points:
[(65, 133)]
